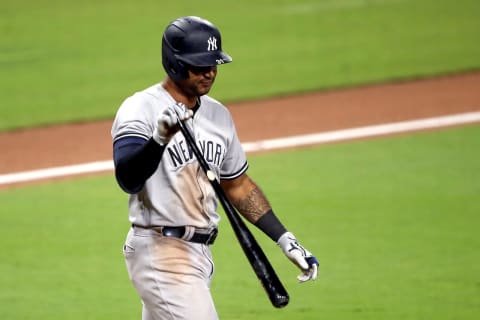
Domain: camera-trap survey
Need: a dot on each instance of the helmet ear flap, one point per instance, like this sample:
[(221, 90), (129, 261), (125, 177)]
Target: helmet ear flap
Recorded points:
[(182, 69), (175, 68)]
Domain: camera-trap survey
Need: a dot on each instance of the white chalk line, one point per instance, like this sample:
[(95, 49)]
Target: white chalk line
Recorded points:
[(362, 132), (264, 145)]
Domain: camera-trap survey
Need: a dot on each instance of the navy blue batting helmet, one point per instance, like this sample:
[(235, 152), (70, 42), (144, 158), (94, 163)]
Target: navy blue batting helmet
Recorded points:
[(191, 41)]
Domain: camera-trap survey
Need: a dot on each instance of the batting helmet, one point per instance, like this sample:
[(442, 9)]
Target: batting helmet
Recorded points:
[(191, 41)]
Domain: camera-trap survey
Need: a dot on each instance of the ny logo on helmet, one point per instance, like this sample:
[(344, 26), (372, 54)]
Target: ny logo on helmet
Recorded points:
[(212, 44)]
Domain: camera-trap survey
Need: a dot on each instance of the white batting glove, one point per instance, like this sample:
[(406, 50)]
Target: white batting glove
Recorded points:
[(300, 256), (167, 125)]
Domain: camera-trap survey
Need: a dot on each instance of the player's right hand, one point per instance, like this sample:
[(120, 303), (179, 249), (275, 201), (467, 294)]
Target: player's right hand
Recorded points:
[(167, 125)]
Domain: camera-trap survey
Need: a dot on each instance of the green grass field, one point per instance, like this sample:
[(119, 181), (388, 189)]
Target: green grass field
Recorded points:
[(393, 221), (77, 60)]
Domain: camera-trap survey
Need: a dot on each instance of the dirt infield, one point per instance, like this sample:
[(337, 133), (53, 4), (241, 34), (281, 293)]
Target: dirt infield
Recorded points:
[(280, 117)]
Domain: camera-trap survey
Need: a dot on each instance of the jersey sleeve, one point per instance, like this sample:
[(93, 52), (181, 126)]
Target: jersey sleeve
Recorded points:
[(134, 118), (235, 162)]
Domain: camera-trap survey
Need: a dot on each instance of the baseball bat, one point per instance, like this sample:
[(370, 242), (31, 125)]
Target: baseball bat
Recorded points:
[(263, 269)]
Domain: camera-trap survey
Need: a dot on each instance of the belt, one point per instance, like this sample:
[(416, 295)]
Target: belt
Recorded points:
[(187, 233)]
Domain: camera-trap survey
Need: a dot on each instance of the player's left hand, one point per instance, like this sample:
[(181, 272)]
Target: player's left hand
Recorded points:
[(300, 256)]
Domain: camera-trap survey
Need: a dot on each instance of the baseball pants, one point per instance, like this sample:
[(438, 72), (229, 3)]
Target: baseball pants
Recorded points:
[(171, 276)]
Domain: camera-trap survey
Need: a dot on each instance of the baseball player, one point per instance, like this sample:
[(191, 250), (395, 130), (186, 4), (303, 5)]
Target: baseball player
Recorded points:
[(172, 206)]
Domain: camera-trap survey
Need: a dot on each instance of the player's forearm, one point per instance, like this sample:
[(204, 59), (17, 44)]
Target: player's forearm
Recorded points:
[(256, 208), (252, 203), (135, 161)]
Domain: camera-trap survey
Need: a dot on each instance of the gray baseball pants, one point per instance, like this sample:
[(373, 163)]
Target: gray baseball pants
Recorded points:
[(171, 276)]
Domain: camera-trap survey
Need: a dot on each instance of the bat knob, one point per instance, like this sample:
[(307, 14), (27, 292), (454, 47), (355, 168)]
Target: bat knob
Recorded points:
[(210, 175), (281, 301)]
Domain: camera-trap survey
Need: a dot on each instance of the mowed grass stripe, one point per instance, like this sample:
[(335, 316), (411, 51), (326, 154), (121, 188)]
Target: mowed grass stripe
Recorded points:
[(78, 60)]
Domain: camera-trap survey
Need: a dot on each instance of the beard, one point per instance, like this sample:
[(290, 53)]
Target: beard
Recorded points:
[(196, 88)]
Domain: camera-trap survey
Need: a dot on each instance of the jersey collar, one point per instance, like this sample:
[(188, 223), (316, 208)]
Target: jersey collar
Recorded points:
[(197, 106)]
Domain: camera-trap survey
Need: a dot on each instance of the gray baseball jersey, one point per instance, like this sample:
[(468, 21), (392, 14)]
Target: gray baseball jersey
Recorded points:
[(178, 193)]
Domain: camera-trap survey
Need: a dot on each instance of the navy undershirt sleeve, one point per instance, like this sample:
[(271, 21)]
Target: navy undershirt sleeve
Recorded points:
[(271, 226), (135, 160)]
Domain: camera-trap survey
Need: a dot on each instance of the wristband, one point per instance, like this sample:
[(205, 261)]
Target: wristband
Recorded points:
[(271, 226)]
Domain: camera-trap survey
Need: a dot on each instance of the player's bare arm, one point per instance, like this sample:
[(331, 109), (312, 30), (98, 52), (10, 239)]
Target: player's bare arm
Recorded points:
[(247, 197), (250, 201)]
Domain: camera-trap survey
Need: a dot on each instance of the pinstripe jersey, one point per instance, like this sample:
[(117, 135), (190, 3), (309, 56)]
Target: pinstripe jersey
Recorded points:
[(178, 193)]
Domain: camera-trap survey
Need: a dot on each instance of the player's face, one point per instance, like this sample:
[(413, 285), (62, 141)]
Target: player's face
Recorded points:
[(200, 80)]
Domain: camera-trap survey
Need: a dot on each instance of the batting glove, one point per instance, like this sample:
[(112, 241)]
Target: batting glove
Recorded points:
[(300, 256), (167, 125)]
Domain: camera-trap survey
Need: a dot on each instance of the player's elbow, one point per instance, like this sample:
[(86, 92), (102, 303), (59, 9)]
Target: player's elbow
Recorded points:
[(126, 181)]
